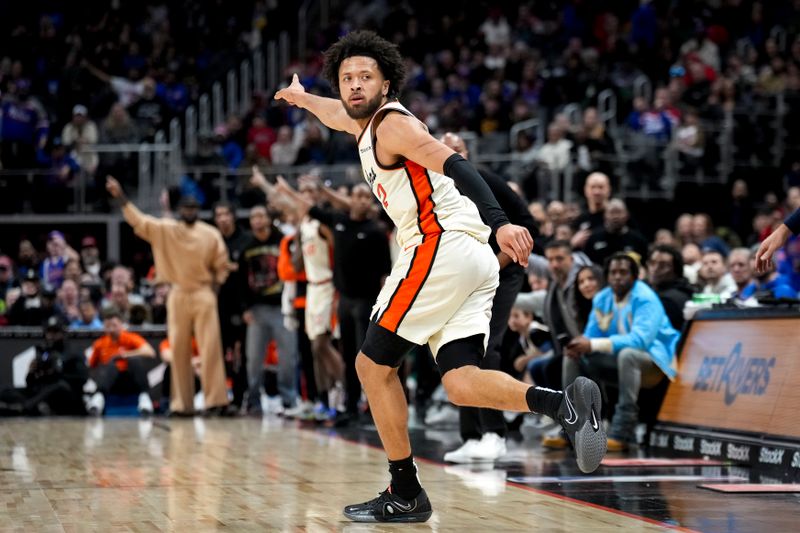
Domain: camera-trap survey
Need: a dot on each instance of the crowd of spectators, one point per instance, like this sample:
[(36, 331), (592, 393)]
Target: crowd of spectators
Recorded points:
[(77, 76)]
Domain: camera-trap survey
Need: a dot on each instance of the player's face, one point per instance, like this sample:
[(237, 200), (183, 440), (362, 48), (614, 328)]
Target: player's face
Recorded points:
[(361, 86)]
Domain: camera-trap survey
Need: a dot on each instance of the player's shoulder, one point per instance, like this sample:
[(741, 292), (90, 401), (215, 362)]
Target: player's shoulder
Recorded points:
[(395, 124)]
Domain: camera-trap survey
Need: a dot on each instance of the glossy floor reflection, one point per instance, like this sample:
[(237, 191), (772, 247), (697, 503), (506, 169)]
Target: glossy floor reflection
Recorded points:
[(271, 475)]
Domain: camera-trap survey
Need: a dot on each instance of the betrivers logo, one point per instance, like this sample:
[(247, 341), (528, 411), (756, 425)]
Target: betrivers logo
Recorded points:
[(736, 373), (770, 456)]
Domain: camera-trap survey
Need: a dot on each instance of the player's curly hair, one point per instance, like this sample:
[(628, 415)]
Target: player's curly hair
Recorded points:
[(369, 44)]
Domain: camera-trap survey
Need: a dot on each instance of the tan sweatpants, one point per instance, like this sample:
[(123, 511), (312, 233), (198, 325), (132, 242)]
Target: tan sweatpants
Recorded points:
[(195, 312)]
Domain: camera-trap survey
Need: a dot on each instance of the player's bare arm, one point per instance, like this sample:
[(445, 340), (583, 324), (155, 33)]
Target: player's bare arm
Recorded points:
[(771, 244), (404, 136), (329, 110), (302, 204)]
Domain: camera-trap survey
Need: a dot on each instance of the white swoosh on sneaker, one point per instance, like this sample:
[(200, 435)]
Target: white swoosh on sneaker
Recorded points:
[(573, 415), (595, 424), (403, 508)]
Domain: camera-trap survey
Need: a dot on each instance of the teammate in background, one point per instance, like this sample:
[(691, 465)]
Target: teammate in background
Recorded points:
[(441, 287), (316, 242), (362, 261)]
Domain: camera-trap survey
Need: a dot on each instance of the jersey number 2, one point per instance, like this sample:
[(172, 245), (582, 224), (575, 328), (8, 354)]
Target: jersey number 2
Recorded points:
[(382, 195)]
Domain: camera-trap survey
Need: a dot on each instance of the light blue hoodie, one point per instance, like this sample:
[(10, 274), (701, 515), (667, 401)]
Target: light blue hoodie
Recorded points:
[(640, 323)]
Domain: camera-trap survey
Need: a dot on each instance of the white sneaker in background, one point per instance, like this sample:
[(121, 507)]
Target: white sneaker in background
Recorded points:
[(199, 402), (274, 405), (462, 454), (336, 397), (145, 404), (490, 448), (96, 404), (445, 415), (300, 411)]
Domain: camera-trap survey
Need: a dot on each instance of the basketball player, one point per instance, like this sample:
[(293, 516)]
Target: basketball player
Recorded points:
[(441, 287), (316, 242)]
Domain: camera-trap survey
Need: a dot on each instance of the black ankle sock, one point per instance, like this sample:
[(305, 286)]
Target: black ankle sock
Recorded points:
[(405, 482), (544, 401)]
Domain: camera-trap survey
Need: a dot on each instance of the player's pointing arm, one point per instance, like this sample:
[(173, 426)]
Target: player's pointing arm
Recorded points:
[(329, 110)]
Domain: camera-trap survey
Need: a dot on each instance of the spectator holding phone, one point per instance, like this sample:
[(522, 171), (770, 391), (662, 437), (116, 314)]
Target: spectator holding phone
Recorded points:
[(628, 341)]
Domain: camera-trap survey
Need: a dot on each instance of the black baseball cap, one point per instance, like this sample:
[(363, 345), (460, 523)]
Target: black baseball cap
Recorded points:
[(188, 200), (55, 323)]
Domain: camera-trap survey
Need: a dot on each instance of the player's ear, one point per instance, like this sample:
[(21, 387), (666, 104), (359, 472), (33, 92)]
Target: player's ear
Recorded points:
[(385, 87)]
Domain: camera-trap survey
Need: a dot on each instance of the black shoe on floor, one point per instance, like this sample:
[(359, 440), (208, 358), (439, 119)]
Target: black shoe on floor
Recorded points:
[(180, 414), (579, 415), (390, 508), (221, 411)]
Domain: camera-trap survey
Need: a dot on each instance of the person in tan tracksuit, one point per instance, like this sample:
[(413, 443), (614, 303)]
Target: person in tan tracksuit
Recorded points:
[(191, 255)]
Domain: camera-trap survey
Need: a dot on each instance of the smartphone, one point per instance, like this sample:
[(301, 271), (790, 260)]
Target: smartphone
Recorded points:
[(563, 339)]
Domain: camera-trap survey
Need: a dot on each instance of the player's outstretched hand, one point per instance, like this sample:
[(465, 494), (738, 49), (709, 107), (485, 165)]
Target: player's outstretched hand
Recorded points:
[(282, 185), (771, 245), (113, 187), (257, 179), (291, 93), (515, 241)]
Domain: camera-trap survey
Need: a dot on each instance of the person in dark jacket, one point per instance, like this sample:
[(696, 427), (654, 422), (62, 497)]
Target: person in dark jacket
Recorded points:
[(54, 384), (665, 276), (615, 235), (484, 430)]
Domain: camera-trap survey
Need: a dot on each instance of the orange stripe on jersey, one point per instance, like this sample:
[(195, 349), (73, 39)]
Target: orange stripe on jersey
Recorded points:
[(423, 193), (408, 288)]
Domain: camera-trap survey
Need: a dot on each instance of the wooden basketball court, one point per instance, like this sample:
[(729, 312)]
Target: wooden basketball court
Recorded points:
[(126, 474)]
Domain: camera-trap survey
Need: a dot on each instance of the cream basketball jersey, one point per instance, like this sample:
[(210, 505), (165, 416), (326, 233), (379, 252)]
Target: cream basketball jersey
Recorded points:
[(316, 252), (419, 201)]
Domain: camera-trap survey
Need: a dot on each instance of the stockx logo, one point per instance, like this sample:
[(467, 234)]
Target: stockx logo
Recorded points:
[(735, 374)]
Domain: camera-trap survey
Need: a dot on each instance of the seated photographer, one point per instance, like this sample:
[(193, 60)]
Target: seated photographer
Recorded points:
[(54, 382), (118, 364), (628, 341)]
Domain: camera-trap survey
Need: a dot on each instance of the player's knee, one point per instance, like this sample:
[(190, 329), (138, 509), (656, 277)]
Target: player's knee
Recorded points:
[(370, 371), (458, 383)]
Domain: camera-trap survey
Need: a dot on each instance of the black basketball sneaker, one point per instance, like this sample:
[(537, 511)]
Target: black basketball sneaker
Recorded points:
[(388, 507), (579, 414)]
